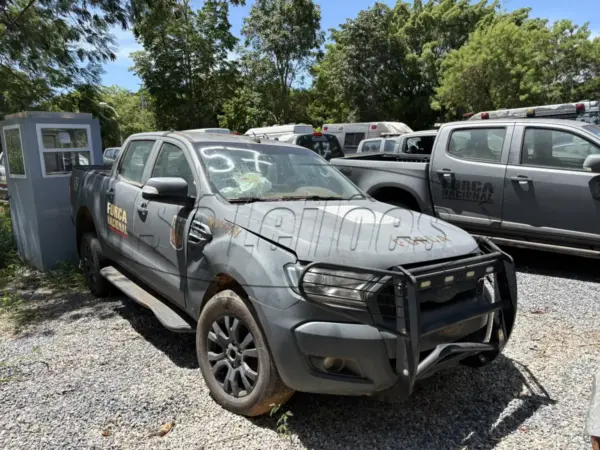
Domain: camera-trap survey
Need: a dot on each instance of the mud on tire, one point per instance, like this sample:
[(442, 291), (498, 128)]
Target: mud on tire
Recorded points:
[(234, 358), (91, 261)]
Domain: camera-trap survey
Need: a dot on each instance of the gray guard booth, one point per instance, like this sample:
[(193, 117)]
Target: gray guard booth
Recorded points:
[(40, 150)]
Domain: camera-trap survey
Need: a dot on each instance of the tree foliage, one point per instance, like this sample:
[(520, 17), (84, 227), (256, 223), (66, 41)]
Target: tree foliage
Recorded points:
[(284, 36), (520, 63), (184, 64)]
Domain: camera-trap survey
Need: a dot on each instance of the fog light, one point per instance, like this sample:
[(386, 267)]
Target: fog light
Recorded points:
[(470, 273), (489, 269), (425, 284), (449, 279), (331, 364)]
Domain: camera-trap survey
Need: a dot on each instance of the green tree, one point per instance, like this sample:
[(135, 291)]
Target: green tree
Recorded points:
[(524, 62), (184, 64), (285, 36), (384, 65)]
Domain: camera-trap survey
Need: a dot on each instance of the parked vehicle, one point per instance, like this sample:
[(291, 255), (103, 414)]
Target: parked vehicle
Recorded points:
[(350, 134), (586, 111), (418, 143), (110, 155), (532, 184), (280, 130), (325, 145), (291, 278)]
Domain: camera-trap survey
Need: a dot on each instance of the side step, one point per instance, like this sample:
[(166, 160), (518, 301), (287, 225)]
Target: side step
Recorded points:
[(166, 315), (547, 247)]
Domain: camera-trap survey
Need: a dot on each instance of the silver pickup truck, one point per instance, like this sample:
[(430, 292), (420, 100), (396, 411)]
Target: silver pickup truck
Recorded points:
[(523, 182)]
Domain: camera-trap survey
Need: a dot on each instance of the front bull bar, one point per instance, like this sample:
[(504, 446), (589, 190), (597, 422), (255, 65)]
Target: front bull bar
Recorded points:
[(409, 285)]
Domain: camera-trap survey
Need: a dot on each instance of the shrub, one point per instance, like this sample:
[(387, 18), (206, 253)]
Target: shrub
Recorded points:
[(7, 244)]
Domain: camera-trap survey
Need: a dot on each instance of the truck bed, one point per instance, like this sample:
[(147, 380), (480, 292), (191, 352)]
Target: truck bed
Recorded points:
[(379, 156)]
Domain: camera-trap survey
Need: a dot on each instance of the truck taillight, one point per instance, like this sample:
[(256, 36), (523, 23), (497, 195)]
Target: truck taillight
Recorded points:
[(373, 127), (485, 115), (325, 128), (580, 107)]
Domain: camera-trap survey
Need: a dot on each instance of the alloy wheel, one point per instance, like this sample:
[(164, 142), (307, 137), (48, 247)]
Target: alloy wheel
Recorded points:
[(233, 356)]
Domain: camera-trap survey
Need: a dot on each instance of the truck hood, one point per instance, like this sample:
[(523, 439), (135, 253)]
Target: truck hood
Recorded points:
[(360, 233)]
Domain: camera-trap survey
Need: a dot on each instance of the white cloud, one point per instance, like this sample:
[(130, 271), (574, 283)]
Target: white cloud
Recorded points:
[(126, 44)]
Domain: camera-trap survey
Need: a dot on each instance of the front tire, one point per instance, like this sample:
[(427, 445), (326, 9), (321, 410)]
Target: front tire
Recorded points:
[(234, 359), (91, 261)]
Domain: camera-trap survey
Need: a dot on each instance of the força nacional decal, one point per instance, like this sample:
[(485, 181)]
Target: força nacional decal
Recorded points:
[(469, 191), (117, 219)]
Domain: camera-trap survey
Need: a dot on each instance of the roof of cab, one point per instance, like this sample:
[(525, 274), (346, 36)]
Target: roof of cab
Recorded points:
[(540, 121), (199, 137)]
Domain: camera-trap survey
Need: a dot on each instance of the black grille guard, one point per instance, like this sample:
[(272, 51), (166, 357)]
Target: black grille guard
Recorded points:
[(407, 324)]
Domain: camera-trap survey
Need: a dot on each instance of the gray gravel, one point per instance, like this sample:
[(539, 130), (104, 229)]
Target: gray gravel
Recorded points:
[(105, 374)]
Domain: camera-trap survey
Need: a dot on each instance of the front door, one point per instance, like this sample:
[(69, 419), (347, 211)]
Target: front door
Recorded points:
[(162, 226), (467, 177), (547, 193), (119, 209)]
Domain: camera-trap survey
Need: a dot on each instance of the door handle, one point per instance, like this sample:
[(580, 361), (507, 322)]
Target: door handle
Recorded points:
[(110, 194), (446, 173), (142, 209), (521, 179), (346, 171)]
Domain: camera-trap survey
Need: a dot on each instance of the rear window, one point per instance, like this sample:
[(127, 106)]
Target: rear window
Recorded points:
[(421, 145), (478, 144), (325, 145)]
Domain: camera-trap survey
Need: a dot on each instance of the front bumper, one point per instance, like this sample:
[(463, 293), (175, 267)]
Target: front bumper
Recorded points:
[(375, 338)]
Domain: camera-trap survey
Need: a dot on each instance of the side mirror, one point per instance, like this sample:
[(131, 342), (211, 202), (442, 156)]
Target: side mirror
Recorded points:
[(165, 188), (592, 163)]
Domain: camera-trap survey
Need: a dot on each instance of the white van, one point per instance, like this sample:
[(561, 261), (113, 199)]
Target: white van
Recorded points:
[(280, 130), (350, 134)]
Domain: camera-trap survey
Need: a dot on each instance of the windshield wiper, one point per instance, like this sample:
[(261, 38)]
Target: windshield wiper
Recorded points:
[(312, 197), (252, 199)]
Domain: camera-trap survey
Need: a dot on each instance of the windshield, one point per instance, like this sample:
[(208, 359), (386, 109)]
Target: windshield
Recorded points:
[(593, 128), (274, 173)]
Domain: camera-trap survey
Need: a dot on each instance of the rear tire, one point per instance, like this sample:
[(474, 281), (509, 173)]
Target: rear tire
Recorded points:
[(91, 261), (234, 359)]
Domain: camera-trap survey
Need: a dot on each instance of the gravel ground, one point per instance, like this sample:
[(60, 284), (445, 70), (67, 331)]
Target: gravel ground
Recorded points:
[(86, 373)]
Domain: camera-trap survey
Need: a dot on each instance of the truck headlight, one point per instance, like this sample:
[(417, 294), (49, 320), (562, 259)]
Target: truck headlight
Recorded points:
[(338, 287)]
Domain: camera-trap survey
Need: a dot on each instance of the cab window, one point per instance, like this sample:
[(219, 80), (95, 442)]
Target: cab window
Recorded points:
[(478, 144), (389, 146), (422, 145), (372, 146), (555, 149), (171, 162), (325, 145), (134, 161), (353, 139)]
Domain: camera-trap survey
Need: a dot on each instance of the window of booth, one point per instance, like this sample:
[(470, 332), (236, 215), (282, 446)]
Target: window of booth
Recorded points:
[(62, 147), (13, 144)]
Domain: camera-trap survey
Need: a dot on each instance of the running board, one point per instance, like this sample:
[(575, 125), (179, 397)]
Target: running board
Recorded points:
[(166, 315), (547, 247)]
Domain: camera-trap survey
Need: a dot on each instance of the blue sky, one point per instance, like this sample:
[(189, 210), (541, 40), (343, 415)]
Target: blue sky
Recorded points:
[(334, 12)]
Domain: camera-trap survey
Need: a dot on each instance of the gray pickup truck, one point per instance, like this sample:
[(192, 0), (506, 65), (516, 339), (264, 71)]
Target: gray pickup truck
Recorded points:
[(531, 183), (417, 143), (291, 277)]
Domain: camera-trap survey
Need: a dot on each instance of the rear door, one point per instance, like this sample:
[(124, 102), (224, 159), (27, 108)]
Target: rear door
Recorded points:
[(123, 189), (467, 174), (547, 194), (161, 225)]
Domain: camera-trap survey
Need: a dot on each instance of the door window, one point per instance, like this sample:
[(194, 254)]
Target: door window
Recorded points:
[(556, 149), (134, 161), (171, 162), (389, 145), (478, 144)]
